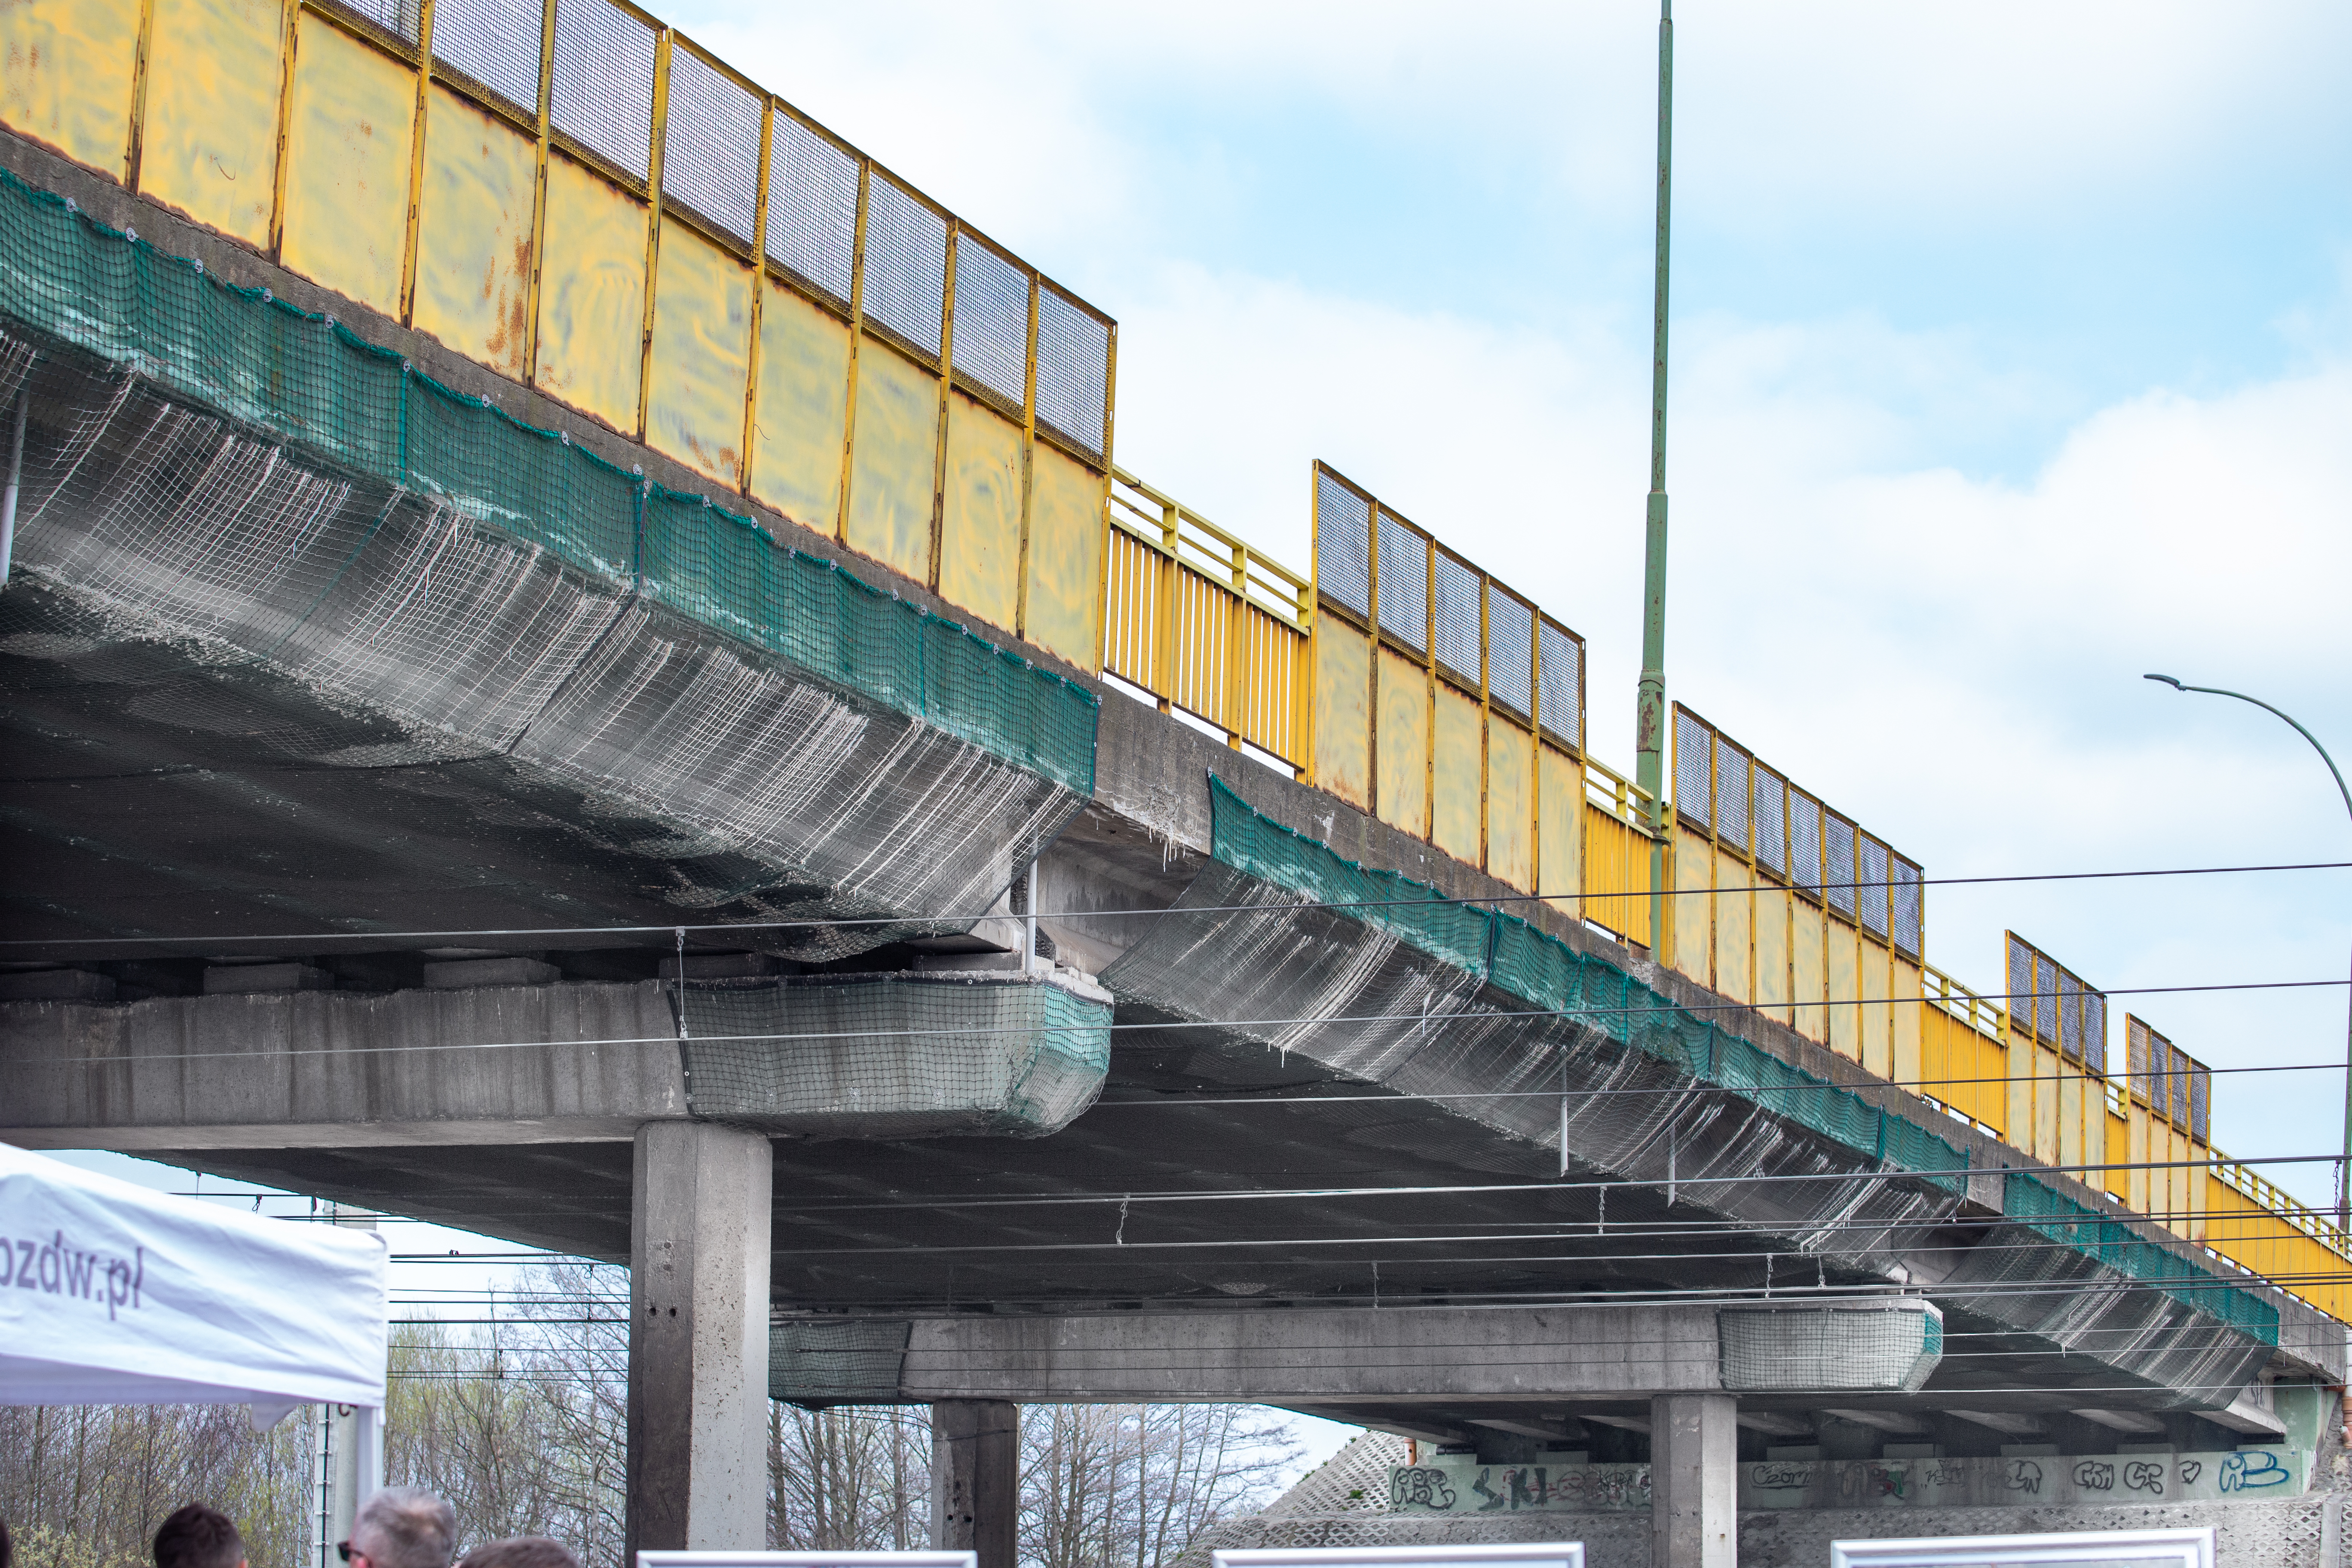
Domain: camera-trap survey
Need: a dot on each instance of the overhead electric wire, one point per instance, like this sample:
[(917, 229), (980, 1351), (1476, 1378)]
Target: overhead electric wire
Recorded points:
[(1434, 899)]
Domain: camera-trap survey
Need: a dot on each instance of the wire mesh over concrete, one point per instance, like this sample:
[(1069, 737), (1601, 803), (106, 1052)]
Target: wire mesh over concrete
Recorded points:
[(846, 1361), (1887, 1347), (1399, 987), (907, 1056)]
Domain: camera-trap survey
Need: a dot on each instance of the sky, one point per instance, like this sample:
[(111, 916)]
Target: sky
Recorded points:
[(2011, 359)]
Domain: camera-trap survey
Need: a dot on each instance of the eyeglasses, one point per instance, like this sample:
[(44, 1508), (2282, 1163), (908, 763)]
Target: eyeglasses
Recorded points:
[(344, 1550)]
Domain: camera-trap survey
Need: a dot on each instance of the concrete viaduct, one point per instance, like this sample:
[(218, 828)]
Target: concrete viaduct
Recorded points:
[(920, 1017)]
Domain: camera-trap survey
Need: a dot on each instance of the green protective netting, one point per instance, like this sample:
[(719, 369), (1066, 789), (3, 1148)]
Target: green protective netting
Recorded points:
[(2031, 1202), (1524, 961), (307, 380)]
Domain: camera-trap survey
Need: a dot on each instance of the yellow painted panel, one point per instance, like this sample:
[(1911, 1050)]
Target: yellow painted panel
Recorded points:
[(210, 147), (1065, 559), (1455, 764), (473, 243), (980, 531), (1734, 928), (797, 436), (1343, 711), (591, 295), (2047, 1070), (1877, 1043), (1844, 982), (1772, 952), (2196, 1200), (347, 165), (2020, 1057), (1403, 748), (1807, 972), (2118, 1156), (2135, 1152), (1992, 1082), (1510, 804), (1904, 985), (1616, 864), (1559, 837), (896, 445), (1690, 914), (65, 76), (2071, 1117), (702, 355)]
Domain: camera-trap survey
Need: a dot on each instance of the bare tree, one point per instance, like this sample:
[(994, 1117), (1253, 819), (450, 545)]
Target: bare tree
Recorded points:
[(848, 1478), (1127, 1486)]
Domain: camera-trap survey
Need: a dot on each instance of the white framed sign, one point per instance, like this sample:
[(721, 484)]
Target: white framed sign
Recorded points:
[(808, 1560), (2080, 1549), (1525, 1554)]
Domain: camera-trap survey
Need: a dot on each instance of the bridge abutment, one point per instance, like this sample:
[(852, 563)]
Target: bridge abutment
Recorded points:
[(699, 1338)]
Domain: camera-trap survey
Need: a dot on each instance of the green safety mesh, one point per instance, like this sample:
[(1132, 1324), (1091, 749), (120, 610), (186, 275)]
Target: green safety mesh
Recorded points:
[(908, 1055), (307, 380), (1519, 959)]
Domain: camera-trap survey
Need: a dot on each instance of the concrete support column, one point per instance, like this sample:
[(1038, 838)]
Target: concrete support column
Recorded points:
[(975, 1478), (1693, 1480), (698, 1339)]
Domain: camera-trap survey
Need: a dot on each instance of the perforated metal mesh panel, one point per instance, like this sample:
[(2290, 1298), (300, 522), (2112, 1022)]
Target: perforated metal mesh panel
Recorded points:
[(1694, 770), (1343, 545), (2135, 1058), (710, 150), (1838, 862), (397, 17), (2200, 1103), (1908, 917), (836, 1360), (1770, 812), (1457, 618), (1510, 652), (1404, 583), (1871, 869), (1805, 841), (909, 1055), (601, 92), (1730, 793), (1073, 369), (1878, 1348), (991, 338), (2070, 1015), (2019, 982), (2095, 1031), (1563, 683), (496, 42), (906, 263), (812, 207)]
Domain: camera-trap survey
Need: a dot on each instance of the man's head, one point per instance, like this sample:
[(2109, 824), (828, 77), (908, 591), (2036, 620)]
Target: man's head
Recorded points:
[(198, 1537), (521, 1552), (404, 1527)]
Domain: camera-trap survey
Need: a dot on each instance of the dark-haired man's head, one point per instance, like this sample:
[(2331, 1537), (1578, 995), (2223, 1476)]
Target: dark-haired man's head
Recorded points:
[(521, 1552), (199, 1537), (404, 1527)]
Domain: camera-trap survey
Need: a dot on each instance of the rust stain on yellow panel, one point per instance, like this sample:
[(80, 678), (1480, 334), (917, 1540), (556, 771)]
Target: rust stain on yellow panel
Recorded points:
[(1807, 972), (1877, 1040), (1404, 744), (1772, 952), (1843, 964), (892, 471), (980, 527), (1690, 914), (473, 247), (591, 295), (1903, 982), (1343, 711), (1733, 909), (1065, 561), (65, 75), (1559, 834), (210, 147), (1510, 804), (803, 401), (1455, 812), (702, 355), (347, 165)]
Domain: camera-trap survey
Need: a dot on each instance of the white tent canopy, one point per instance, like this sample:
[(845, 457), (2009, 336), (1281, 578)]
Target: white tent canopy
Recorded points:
[(111, 1294)]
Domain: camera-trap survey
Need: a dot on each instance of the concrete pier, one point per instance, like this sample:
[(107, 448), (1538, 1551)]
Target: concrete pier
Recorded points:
[(976, 1478), (1693, 1480), (698, 1339)]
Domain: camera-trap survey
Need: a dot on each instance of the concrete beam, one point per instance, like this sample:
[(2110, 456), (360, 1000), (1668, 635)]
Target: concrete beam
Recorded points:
[(1883, 1420), (1326, 1358), (698, 1473)]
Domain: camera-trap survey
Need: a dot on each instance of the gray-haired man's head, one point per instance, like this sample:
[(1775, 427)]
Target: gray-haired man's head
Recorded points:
[(404, 1527)]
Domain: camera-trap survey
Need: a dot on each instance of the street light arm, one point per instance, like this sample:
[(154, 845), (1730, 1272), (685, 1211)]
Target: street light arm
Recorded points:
[(2222, 692)]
